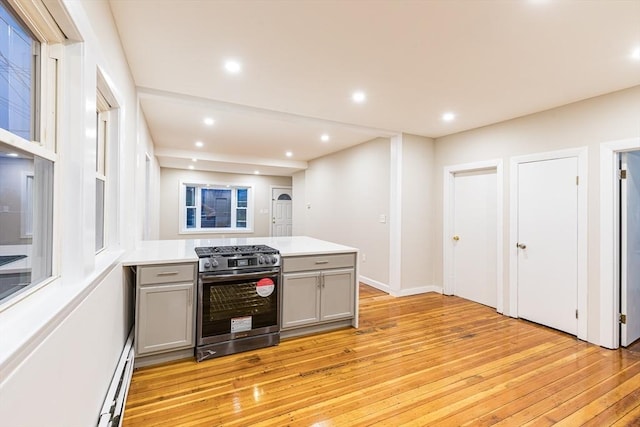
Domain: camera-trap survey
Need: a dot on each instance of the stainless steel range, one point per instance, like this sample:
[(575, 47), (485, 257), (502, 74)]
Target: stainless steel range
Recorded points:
[(238, 299)]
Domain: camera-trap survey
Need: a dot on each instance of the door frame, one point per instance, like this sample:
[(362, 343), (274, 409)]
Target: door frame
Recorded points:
[(582, 156), (447, 229), (271, 188), (609, 227)]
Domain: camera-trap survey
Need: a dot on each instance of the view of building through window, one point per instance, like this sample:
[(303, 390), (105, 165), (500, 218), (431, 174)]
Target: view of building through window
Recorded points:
[(18, 51)]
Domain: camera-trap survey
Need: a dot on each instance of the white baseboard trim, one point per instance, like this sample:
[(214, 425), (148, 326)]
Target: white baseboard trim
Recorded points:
[(402, 292), (375, 284)]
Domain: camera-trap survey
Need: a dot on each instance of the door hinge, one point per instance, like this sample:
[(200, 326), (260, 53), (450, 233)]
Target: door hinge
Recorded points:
[(576, 313), (577, 180), (623, 319), (622, 173)]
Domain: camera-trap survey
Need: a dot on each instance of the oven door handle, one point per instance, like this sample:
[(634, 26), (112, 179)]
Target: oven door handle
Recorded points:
[(243, 276)]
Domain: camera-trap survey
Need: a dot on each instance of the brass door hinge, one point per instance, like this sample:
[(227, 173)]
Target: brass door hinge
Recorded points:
[(623, 319), (623, 173)]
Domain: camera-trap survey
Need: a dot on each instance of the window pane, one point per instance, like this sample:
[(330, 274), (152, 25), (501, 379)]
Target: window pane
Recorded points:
[(99, 214), (215, 211), (24, 260), (191, 196), (17, 72), (191, 217), (242, 197), (241, 218)]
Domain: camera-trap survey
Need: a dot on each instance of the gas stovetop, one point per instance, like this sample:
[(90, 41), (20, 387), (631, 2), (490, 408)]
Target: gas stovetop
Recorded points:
[(205, 252), (237, 258)]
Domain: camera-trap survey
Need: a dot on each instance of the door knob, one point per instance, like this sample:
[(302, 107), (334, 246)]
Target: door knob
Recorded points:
[(521, 245), (456, 237)]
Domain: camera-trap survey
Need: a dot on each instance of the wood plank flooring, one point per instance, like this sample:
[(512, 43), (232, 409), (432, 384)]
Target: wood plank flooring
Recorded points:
[(424, 360)]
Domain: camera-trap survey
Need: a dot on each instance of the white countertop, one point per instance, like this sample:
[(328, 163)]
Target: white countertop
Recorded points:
[(22, 265), (175, 251)]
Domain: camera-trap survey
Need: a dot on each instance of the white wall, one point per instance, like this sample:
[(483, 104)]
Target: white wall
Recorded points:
[(418, 205), (60, 345), (170, 200), (582, 124), (344, 195)]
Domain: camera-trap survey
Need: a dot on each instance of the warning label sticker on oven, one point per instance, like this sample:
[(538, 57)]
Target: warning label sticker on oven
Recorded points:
[(265, 287), (240, 324)]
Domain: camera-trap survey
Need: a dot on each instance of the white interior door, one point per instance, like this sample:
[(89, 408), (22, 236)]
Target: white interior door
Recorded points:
[(281, 212), (474, 241), (547, 235), (630, 248)]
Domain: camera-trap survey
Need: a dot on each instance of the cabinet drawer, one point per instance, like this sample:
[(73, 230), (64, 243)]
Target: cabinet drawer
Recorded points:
[(317, 262), (168, 273)]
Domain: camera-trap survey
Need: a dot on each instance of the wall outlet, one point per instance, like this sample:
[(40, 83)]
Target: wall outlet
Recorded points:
[(383, 218)]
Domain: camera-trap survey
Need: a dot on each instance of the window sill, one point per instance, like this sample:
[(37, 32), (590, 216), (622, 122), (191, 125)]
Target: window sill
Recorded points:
[(25, 325), (220, 231)]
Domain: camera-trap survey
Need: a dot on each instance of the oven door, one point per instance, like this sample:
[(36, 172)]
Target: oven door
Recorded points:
[(238, 305)]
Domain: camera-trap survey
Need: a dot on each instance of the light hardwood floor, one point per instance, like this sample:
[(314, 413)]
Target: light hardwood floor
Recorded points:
[(422, 360)]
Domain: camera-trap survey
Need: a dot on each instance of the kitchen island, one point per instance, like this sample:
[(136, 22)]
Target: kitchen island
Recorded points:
[(318, 283)]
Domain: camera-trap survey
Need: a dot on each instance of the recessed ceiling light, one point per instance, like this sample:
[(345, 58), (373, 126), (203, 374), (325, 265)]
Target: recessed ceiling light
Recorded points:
[(194, 160), (208, 121), (232, 66), (12, 155), (199, 144), (447, 117), (359, 97), (256, 172), (191, 167), (635, 54), (288, 154), (324, 137)]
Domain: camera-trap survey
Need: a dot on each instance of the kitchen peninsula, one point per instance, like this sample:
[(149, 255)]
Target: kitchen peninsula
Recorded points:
[(317, 285)]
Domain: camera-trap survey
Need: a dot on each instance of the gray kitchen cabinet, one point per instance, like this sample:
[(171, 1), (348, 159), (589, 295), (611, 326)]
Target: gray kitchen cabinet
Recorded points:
[(317, 290), (165, 315)]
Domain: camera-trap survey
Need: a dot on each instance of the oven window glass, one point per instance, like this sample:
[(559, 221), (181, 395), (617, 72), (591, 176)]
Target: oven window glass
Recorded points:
[(238, 302)]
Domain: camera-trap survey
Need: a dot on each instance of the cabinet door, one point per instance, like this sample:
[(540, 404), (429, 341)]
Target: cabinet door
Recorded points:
[(337, 294), (165, 317), (300, 299)]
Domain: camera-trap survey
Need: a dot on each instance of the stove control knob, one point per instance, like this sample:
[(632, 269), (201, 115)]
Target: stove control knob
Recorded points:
[(207, 264), (273, 259), (214, 263), (261, 260)]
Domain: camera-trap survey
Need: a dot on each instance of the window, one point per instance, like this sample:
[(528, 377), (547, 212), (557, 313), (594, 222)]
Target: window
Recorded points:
[(211, 208), (101, 178), (28, 98), (106, 166)]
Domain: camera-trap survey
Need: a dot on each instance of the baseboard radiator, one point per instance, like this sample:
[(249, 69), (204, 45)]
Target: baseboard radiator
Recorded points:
[(113, 407)]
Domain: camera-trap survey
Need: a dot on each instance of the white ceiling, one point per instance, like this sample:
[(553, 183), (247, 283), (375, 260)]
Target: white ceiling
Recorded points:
[(487, 61)]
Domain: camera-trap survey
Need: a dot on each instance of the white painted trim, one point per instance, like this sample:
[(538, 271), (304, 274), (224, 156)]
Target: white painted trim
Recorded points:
[(395, 214), (582, 156), (375, 284), (609, 256), (447, 250), (400, 292)]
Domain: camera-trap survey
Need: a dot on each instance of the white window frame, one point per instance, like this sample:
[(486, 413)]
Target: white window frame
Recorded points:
[(36, 17), (182, 226), (107, 164)]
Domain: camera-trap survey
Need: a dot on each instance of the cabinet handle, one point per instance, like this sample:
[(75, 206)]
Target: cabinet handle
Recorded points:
[(167, 273), (322, 279), (190, 297), (322, 262)]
